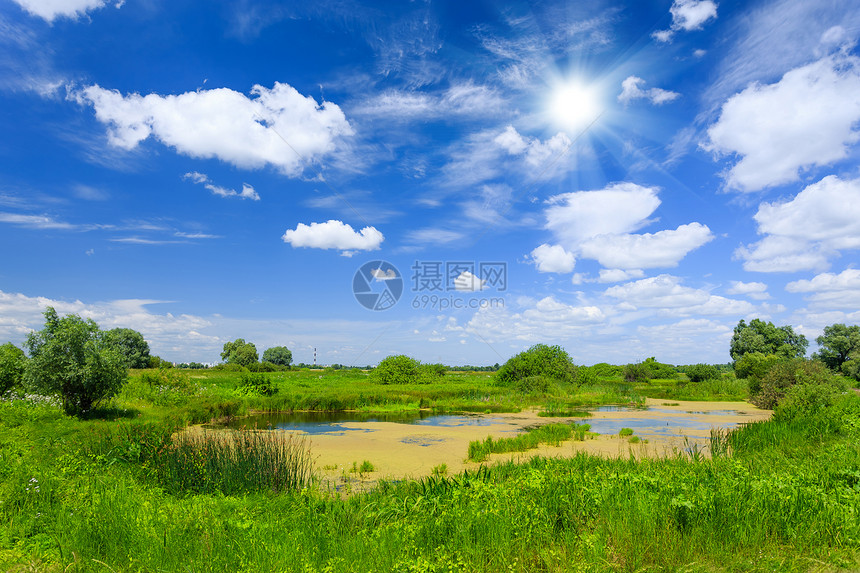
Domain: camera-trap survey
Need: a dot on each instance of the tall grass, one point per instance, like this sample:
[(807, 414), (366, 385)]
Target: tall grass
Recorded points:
[(552, 434), (234, 462)]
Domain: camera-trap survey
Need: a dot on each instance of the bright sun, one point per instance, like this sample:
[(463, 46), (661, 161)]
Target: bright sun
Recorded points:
[(574, 106)]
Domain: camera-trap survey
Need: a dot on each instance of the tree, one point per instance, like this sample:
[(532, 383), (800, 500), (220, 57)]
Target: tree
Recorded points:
[(551, 362), (131, 345), (766, 338), (71, 357), (279, 355), (12, 362), (836, 344), (399, 369), (240, 352)]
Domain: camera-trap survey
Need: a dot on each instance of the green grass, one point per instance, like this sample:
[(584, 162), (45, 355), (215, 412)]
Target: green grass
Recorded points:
[(92, 495), (552, 434)]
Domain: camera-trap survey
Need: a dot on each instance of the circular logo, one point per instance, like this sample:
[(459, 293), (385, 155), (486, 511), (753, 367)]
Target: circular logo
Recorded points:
[(377, 285)]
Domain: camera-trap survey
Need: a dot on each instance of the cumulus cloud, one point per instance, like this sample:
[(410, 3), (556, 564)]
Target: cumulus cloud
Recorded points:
[(831, 290), (648, 250), (754, 290), (21, 314), (334, 234), (687, 15), (49, 10), (806, 231), (619, 275), (599, 225), (667, 294), (547, 317), (468, 282), (247, 191), (631, 89), (275, 127), (553, 259), (806, 119)]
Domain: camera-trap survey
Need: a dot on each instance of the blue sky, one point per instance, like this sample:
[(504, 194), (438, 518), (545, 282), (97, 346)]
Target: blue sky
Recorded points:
[(638, 175)]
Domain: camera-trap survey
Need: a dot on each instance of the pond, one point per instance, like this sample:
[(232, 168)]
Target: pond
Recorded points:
[(413, 444)]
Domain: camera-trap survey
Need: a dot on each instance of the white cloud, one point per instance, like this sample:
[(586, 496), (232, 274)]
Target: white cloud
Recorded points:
[(631, 89), (667, 294), (806, 119), (434, 236), (648, 250), (806, 231), (20, 314), (598, 225), (457, 101), (34, 221), (754, 290), (333, 234), (247, 192), (687, 15), (276, 127), (830, 290), (49, 10), (536, 153), (547, 319), (468, 282), (553, 259), (581, 215), (619, 275)]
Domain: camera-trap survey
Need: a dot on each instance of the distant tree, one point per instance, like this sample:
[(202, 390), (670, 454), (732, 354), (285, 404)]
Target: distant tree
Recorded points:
[(766, 338), (280, 355), (158, 362), (12, 363), (240, 352), (836, 345), (71, 357), (702, 372), (131, 345)]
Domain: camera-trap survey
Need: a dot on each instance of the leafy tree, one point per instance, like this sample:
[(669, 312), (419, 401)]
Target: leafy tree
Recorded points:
[(71, 357), (836, 344), (280, 355), (786, 374), (658, 370), (851, 367), (766, 338), (129, 343), (636, 373), (240, 352), (12, 363), (551, 362)]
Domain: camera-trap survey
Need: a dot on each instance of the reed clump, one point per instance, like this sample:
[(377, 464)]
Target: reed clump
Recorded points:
[(210, 461), (552, 434)]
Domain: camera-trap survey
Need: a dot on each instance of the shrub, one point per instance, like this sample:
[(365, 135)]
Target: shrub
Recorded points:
[(230, 367), (658, 370), (262, 367), (398, 369), (605, 370), (12, 362), (434, 370), (255, 385), (636, 373), (702, 372), (532, 384), (788, 373), (585, 375), (851, 367), (549, 362)]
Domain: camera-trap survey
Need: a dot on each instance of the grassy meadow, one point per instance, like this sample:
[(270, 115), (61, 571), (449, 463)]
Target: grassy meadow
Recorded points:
[(119, 492)]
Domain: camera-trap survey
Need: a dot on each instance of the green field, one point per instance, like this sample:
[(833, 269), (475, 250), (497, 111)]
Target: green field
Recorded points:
[(116, 493)]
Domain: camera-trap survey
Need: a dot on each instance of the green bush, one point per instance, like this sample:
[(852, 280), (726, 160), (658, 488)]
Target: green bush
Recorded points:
[(605, 370), (230, 367), (585, 375), (786, 374), (398, 369), (658, 370), (255, 385), (550, 362), (533, 384), (636, 373), (702, 372), (12, 362), (851, 367), (262, 367)]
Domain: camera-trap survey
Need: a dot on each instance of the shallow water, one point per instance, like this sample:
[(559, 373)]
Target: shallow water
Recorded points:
[(316, 423)]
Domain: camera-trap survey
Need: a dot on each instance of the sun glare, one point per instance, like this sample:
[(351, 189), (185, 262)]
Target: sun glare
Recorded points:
[(573, 106)]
